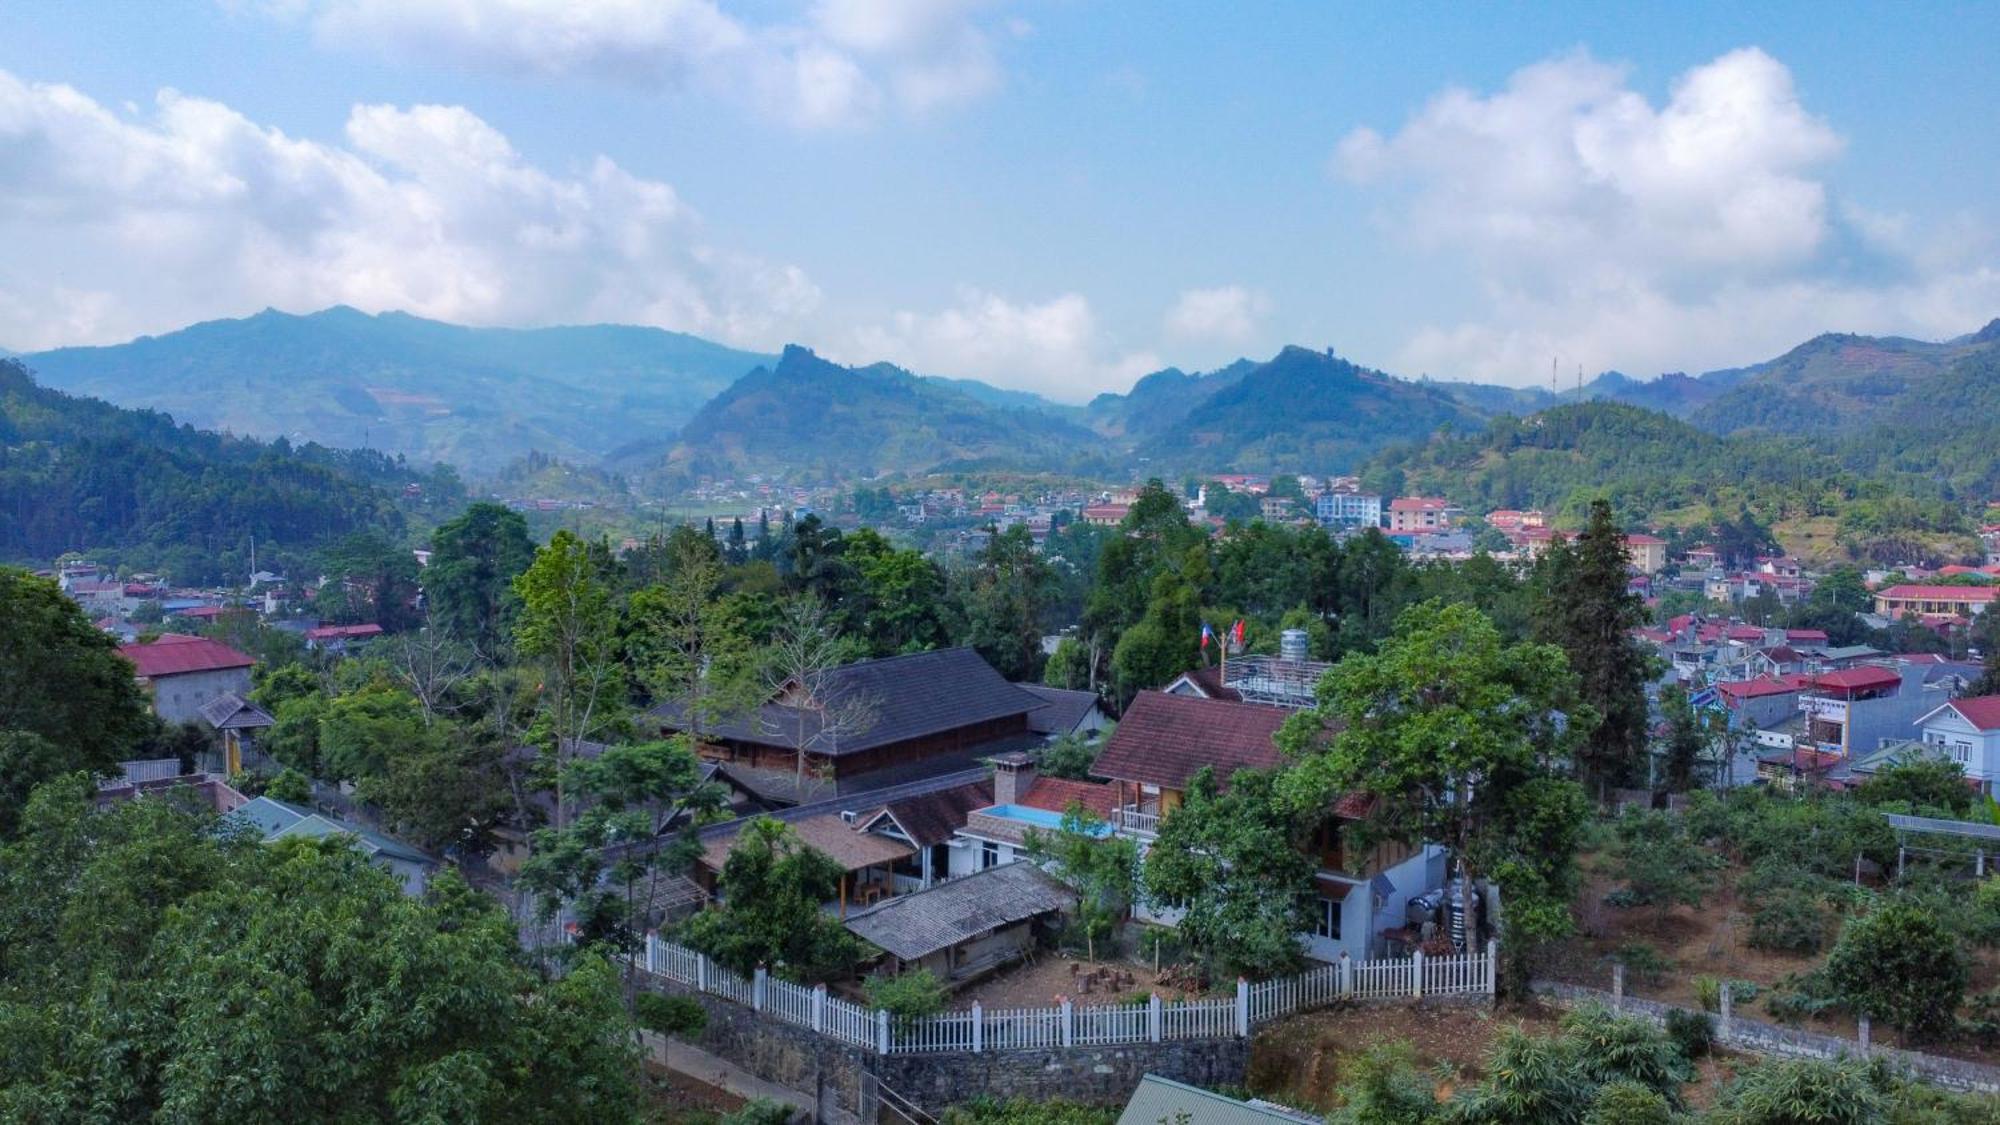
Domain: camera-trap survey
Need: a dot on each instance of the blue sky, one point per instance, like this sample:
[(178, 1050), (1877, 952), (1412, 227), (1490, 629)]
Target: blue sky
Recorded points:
[(1054, 195)]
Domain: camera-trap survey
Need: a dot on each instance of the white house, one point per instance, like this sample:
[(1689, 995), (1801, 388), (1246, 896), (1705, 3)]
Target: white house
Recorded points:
[(1968, 732)]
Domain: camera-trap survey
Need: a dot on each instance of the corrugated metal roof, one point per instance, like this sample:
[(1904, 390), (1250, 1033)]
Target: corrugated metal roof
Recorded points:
[(1162, 1099), (916, 925)]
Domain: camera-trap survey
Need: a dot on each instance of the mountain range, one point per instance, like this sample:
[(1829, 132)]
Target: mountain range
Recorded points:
[(640, 399), (429, 391)]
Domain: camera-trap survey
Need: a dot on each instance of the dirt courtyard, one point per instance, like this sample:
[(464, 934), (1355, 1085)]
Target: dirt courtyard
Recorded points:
[(1033, 984)]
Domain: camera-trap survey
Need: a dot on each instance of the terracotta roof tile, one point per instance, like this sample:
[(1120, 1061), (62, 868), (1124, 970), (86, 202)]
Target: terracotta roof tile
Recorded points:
[(174, 654), (1165, 739), (1056, 794)]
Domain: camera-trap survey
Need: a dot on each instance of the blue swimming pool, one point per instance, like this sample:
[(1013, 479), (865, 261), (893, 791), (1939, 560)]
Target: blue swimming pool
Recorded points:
[(1040, 818)]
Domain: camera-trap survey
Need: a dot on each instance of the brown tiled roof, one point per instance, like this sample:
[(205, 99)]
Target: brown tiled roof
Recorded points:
[(1057, 794), (932, 818), (176, 653), (850, 848), (1164, 739)]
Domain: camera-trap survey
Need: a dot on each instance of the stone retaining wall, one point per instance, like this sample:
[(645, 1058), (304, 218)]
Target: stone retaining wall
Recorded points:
[(1774, 1039), (1098, 1075)]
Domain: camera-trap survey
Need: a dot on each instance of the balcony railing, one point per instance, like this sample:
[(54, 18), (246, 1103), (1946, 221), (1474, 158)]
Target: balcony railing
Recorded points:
[(1138, 819)]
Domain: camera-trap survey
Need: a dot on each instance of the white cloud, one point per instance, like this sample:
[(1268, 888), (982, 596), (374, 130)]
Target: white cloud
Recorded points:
[(1608, 231), (1228, 314), (1055, 348), (838, 62), (118, 224)]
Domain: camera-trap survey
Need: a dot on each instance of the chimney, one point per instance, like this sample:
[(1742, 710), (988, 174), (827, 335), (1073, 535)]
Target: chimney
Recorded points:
[(1293, 646), (1013, 776)]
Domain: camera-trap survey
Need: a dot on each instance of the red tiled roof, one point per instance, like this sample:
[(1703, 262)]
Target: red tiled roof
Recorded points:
[(1057, 794), (1757, 688), (1939, 593), (1805, 634), (1165, 739), (175, 654), (1209, 680), (1982, 711), (1646, 540), (1418, 504), (1862, 676)]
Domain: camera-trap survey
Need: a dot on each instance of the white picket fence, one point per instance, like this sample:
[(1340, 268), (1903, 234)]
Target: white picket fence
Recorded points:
[(1067, 1025)]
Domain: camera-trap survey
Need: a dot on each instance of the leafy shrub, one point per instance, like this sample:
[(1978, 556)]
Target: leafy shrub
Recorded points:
[(1783, 1091), (1382, 1084), (1982, 1018), (1900, 965), (1743, 992), (1623, 898), (1614, 1048), (669, 1015), (1691, 1033), (1708, 993), (909, 995), (1642, 961), (1629, 1103), (1024, 1111)]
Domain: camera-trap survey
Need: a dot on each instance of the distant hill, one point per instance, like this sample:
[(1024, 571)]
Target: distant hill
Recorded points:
[(1157, 401), (1002, 397), (476, 397), (77, 474), (1304, 411), (807, 415), (1837, 383)]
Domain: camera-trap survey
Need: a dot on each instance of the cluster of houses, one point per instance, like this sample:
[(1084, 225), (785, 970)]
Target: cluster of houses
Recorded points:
[(930, 809)]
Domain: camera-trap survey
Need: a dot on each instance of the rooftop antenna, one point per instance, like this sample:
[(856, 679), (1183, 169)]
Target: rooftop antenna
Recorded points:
[(1579, 378), (1554, 387)]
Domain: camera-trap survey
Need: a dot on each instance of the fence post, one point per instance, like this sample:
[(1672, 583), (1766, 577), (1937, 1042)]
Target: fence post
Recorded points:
[(1153, 1017), (701, 972), (1724, 1025), (1242, 1007), (760, 984), (1617, 986), (882, 1030), (1346, 974), (1862, 1029), (1417, 975), (1068, 1022), (1492, 966), (978, 1028), (819, 1008)]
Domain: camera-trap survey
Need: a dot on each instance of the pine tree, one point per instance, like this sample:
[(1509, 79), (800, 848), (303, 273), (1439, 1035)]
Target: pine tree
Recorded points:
[(736, 553), (1588, 609)]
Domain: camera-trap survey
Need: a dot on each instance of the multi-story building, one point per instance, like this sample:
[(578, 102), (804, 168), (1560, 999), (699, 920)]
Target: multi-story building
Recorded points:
[(1967, 731), (1934, 602), (1348, 509), (1423, 513), (1853, 710), (182, 673), (1164, 740)]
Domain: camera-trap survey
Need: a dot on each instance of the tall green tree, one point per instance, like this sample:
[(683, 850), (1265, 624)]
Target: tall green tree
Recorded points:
[(1232, 857), (63, 680), (568, 625), (1461, 738), (155, 969), (646, 799), (1589, 610), (1010, 590), (687, 642), (1101, 868), (773, 889), (475, 558)]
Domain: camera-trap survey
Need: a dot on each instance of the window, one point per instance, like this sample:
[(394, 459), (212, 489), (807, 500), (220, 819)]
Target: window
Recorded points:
[(1961, 751), (989, 854), (1327, 922)]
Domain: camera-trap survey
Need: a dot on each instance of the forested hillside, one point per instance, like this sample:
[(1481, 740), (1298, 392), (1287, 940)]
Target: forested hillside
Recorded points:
[(136, 486), (1305, 408), (1656, 468), (807, 415), (475, 397)]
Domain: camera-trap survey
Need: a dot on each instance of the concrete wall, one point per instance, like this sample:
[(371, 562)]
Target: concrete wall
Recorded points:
[(1772, 1039), (178, 699), (841, 1079), (1098, 1075)]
